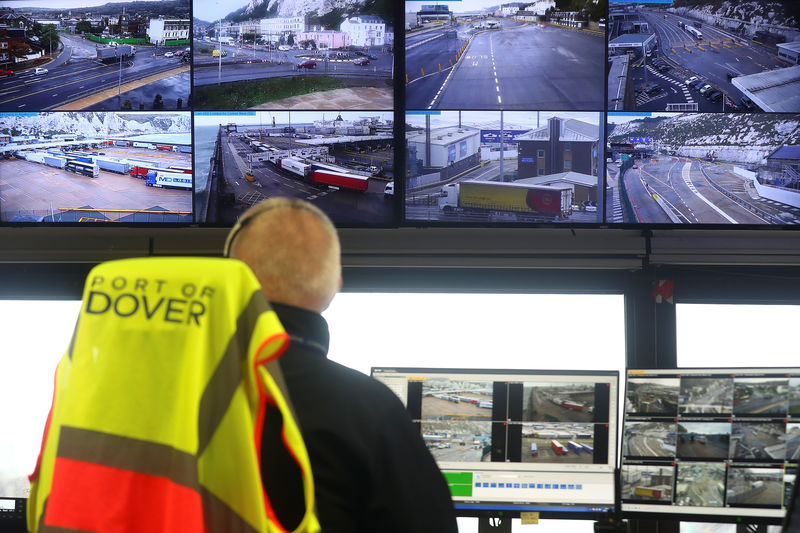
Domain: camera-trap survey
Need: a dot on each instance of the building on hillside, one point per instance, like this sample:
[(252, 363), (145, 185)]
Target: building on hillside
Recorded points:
[(15, 47), (563, 145), (365, 30), (434, 12), (540, 7), (510, 9), (274, 29), (325, 39), (161, 30)]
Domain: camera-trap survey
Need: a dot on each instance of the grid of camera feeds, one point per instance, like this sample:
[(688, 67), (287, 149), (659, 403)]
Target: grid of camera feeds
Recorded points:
[(714, 444), (530, 440), (579, 112)]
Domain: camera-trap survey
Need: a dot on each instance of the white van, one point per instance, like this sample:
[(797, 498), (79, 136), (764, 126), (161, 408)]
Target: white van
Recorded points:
[(388, 190)]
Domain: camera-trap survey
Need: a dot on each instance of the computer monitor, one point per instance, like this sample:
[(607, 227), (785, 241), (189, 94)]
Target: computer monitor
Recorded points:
[(517, 440), (710, 444)]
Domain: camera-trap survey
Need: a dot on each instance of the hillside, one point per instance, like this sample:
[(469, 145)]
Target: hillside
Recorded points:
[(92, 124), (743, 138)]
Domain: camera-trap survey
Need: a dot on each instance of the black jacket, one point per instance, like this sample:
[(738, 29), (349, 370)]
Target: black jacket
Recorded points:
[(372, 471)]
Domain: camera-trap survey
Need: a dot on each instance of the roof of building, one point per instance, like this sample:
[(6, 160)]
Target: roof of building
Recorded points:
[(617, 80), (571, 178), (773, 90), (794, 46), (444, 136), (631, 39), (495, 125), (571, 130), (365, 19), (786, 152)]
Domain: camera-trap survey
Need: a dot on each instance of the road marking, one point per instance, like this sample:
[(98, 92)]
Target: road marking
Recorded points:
[(685, 174)]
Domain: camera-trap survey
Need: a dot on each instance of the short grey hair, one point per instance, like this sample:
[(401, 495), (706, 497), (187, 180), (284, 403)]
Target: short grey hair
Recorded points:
[(292, 248)]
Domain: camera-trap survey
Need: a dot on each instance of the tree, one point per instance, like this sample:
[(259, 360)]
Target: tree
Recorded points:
[(84, 26), (290, 39), (49, 37)]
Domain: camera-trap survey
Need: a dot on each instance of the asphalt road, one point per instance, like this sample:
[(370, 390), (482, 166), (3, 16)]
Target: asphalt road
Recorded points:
[(762, 406), (74, 76), (793, 446), (247, 64), (711, 58), (352, 208), (743, 492), (647, 446), (713, 449), (518, 67), (687, 194), (752, 441)]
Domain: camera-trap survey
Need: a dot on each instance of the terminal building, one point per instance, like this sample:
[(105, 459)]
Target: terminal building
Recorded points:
[(444, 146), (431, 13), (563, 145), (774, 90), (790, 52), (162, 30)]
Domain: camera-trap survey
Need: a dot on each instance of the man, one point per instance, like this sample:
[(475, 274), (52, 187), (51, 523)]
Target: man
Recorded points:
[(371, 469)]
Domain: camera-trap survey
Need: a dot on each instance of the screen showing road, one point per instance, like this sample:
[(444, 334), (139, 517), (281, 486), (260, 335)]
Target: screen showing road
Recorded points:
[(703, 168), (516, 440), (711, 444)]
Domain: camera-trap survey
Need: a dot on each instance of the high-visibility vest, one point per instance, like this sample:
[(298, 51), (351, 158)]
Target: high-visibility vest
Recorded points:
[(159, 405)]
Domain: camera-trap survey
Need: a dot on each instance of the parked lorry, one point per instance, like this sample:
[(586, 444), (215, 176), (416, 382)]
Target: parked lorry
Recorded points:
[(150, 146), (575, 406), (122, 143), (534, 449), (166, 147), (169, 180), (558, 448), (648, 492), (35, 157), (492, 197), (574, 446), (55, 161), (345, 180), (485, 405), (112, 165), (295, 166), (180, 169), (84, 169), (108, 54)]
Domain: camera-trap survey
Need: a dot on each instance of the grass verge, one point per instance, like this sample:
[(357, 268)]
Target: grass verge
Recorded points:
[(247, 94)]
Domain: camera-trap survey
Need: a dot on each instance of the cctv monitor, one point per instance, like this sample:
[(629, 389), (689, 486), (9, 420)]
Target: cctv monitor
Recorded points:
[(517, 440), (710, 444)]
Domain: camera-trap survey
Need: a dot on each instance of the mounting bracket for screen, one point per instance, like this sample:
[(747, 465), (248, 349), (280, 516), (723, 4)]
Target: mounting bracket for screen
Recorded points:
[(494, 524)]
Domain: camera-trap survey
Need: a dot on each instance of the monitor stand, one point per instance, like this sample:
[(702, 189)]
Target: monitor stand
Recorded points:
[(494, 524)]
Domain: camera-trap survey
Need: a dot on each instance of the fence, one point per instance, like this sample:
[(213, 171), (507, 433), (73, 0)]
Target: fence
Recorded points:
[(128, 40)]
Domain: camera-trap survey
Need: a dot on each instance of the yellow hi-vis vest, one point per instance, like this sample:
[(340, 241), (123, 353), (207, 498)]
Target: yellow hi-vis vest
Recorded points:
[(159, 405)]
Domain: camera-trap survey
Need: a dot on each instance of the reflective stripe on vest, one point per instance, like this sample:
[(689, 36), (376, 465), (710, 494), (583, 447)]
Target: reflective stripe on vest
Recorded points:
[(158, 405)]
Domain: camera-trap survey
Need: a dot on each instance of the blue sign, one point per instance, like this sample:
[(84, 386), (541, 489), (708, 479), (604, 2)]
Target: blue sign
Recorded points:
[(527, 160), (493, 136), (640, 140)]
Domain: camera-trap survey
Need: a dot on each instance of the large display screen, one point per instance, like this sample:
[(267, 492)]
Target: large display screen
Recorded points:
[(513, 440), (458, 113), (710, 444)]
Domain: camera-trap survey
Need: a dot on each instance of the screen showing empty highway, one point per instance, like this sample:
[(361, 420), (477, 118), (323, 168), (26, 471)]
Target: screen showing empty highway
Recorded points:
[(703, 168), (478, 54)]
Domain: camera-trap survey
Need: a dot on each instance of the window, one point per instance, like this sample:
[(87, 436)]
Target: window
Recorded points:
[(540, 154), (732, 335), (480, 331), (567, 164)]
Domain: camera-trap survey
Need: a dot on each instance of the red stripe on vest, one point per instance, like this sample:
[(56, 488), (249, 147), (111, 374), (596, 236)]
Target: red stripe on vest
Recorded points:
[(91, 497)]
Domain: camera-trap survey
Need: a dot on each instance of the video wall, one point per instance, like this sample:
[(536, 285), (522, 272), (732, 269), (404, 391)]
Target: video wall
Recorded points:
[(716, 444), (517, 440), (386, 114)]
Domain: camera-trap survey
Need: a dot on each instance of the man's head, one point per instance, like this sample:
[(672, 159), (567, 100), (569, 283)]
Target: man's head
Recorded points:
[(293, 249)]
